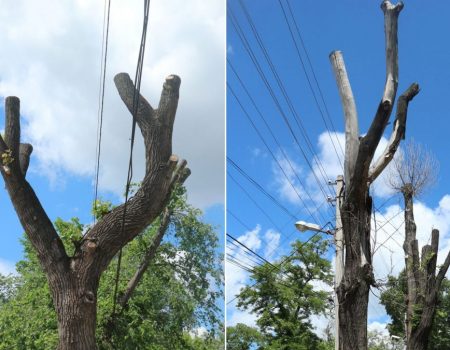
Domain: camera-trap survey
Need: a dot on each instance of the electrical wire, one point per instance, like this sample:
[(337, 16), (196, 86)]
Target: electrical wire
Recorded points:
[(105, 37), (136, 97)]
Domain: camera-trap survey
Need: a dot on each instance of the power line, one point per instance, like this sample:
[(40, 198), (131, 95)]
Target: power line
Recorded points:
[(136, 97), (258, 186), (249, 249), (105, 36), (260, 71), (281, 263), (273, 136), (309, 83), (327, 113), (280, 84)]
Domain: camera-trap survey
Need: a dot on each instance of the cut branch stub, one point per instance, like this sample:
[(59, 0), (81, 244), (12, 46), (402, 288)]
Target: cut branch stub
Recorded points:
[(350, 113), (127, 92), (398, 132), (12, 125), (156, 125), (391, 13)]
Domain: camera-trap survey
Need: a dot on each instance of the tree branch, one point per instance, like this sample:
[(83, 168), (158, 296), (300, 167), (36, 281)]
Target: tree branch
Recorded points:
[(398, 132), (105, 239), (127, 91), (350, 113), (25, 150), (369, 143), (442, 272), (391, 13), (34, 220), (12, 127), (179, 177), (149, 255)]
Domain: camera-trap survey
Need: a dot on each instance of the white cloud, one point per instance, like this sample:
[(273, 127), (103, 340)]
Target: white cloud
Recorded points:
[(272, 239), (52, 62), (7, 267), (287, 178), (378, 327)]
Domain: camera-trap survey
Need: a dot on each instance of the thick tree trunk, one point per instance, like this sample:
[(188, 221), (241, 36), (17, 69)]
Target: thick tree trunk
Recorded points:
[(76, 310), (353, 291)]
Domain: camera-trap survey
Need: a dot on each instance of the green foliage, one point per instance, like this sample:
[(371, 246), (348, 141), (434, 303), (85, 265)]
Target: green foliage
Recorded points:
[(101, 208), (71, 233), (27, 318), (284, 297), (243, 337), (7, 157), (178, 293), (393, 301)]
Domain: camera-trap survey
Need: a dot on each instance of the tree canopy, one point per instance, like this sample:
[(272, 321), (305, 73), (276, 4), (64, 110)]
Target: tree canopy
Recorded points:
[(285, 294)]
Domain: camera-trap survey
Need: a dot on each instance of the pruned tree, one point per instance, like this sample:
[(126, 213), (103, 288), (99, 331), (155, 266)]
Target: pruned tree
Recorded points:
[(412, 173), (359, 173), (74, 279)]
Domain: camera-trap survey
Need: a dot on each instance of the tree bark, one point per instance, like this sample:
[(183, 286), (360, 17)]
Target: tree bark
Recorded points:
[(356, 207), (423, 284), (151, 251), (74, 280)]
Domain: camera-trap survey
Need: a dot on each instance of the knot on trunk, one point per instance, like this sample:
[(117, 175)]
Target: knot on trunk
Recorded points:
[(89, 297)]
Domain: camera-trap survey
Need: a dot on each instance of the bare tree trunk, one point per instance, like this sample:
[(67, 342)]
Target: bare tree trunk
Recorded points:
[(74, 280), (356, 208), (353, 291), (410, 236), (423, 284)]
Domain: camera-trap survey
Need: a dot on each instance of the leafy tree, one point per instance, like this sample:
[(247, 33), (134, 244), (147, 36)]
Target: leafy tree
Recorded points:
[(243, 337), (284, 297), (393, 300), (177, 294)]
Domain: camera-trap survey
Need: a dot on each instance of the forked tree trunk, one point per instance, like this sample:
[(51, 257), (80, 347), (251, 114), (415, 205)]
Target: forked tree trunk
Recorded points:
[(356, 207), (74, 280)]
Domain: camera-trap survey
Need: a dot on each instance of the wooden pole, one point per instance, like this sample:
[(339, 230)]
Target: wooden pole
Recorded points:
[(339, 243)]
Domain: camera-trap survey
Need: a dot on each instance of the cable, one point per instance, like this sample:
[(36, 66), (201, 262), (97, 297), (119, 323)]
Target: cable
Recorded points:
[(268, 148), (284, 92), (136, 96), (107, 9), (281, 263), (250, 52), (250, 250), (258, 186), (314, 76)]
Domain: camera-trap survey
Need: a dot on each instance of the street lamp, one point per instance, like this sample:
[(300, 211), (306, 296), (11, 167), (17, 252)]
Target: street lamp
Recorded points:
[(303, 226)]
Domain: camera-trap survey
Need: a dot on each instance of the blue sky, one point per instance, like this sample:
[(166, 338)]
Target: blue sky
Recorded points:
[(53, 66), (355, 28)]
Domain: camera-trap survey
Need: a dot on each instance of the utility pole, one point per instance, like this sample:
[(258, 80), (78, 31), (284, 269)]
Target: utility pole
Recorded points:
[(339, 244), (339, 265)]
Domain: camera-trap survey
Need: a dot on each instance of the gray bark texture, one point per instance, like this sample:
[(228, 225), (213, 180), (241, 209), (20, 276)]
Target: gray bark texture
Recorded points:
[(356, 207), (74, 280), (423, 284)]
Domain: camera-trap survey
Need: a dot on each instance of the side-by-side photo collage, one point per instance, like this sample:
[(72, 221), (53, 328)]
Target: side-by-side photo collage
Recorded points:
[(224, 174)]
